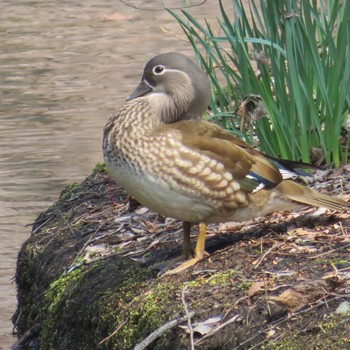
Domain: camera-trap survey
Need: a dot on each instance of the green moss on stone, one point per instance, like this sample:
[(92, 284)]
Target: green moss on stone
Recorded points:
[(147, 312), (68, 191), (216, 279), (99, 167), (123, 297)]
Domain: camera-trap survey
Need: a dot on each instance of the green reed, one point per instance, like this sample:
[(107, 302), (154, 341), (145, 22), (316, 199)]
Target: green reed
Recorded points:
[(293, 54)]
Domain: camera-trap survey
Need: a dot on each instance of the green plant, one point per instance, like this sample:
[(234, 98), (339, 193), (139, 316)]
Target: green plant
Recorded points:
[(301, 51)]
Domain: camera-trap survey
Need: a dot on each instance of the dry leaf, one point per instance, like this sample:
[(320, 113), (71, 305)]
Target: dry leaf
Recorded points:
[(295, 298), (151, 226), (255, 288), (122, 218), (204, 327)]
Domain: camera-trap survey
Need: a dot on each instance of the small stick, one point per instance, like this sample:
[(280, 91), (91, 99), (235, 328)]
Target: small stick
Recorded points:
[(160, 331), (277, 245), (188, 315)]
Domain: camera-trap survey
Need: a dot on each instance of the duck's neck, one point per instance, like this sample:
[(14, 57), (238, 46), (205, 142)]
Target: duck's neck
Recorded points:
[(148, 112), (171, 108)]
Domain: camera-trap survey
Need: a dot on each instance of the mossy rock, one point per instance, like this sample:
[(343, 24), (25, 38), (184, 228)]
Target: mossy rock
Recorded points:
[(96, 300), (110, 297)]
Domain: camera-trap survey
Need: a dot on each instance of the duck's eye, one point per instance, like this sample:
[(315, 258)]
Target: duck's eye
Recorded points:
[(158, 70)]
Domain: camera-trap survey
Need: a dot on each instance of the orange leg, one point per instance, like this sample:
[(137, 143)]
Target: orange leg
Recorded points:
[(199, 251)]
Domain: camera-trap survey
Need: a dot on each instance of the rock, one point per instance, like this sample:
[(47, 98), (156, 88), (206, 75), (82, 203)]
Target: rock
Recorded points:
[(87, 281)]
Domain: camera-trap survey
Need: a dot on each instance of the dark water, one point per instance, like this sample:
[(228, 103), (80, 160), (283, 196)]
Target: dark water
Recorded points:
[(64, 66)]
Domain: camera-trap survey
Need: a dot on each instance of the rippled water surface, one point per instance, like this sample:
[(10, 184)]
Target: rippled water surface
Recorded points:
[(64, 66)]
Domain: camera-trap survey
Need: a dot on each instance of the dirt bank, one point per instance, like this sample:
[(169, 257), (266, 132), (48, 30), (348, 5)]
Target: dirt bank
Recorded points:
[(87, 278)]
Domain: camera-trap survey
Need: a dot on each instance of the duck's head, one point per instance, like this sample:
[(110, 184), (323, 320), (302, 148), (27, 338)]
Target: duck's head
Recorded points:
[(177, 84)]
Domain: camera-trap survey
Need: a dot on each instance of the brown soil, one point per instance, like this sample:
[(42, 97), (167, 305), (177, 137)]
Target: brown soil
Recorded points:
[(88, 278)]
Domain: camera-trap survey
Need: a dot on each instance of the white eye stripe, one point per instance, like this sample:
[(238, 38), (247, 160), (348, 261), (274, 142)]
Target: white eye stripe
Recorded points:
[(158, 70)]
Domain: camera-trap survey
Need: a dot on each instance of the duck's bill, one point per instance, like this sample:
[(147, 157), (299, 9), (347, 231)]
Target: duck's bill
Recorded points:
[(142, 89)]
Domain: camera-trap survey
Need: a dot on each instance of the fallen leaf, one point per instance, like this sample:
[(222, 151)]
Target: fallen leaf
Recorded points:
[(150, 226), (255, 288), (300, 295), (343, 308), (122, 218), (204, 327)]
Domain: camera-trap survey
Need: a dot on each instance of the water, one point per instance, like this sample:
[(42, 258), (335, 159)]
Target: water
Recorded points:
[(64, 67)]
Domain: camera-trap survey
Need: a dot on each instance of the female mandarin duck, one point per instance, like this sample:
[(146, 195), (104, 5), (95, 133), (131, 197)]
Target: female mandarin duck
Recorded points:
[(158, 148)]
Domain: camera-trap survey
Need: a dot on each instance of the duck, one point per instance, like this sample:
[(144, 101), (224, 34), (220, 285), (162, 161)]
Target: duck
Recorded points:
[(161, 151)]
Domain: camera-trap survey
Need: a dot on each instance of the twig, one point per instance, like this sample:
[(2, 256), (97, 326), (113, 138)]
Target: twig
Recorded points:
[(67, 223), (329, 252), (43, 223), (265, 290), (274, 340), (160, 331), (114, 333), (277, 245), (188, 315), (264, 330)]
